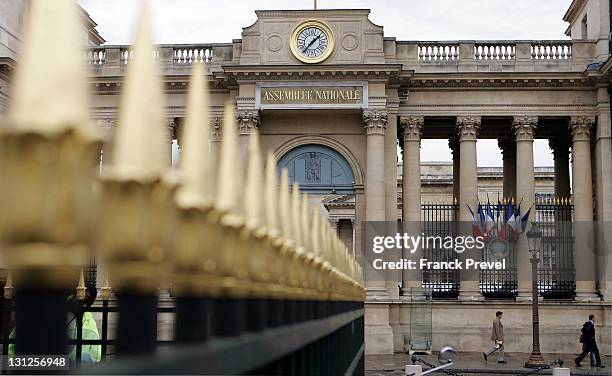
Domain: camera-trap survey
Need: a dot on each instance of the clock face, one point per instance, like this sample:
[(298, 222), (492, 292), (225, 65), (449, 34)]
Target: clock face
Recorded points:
[(312, 41)]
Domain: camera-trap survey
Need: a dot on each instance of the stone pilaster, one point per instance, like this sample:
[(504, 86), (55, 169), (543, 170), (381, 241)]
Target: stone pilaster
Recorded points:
[(507, 145), (411, 192), (524, 129), (467, 130), (603, 188), (560, 148), (247, 122), (582, 195)]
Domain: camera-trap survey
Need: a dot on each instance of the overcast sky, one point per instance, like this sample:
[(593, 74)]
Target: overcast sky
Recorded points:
[(200, 21)]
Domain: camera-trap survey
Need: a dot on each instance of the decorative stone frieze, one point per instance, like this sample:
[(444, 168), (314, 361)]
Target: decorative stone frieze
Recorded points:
[(247, 121), (412, 127), (524, 127), (580, 127), (467, 127), (375, 121)]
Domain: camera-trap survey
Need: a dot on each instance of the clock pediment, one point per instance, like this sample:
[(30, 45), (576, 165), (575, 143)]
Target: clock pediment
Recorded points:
[(268, 41)]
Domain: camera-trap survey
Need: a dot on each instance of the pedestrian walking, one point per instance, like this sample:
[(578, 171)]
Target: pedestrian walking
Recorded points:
[(589, 344), (497, 336)]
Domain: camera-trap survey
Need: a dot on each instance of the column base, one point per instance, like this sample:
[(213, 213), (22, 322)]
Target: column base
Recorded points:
[(377, 293), (470, 296), (409, 295), (527, 297), (587, 297)]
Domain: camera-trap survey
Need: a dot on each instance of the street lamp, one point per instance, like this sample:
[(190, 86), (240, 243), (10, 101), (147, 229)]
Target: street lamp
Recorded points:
[(534, 239)]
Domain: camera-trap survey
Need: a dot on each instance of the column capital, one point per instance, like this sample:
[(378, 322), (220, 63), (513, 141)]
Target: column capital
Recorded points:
[(467, 127), (375, 121), (247, 121), (560, 147), (507, 145), (524, 127), (412, 127), (580, 127)]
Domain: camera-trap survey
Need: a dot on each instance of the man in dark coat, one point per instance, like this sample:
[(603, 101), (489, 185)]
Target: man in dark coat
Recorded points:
[(589, 345)]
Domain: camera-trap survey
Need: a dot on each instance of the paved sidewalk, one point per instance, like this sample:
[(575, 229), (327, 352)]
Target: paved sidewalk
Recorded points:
[(474, 364)]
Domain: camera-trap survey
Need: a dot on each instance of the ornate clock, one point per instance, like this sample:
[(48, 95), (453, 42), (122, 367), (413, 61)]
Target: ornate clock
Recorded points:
[(312, 41)]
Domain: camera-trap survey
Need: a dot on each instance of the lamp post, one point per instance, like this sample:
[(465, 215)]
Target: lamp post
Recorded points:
[(534, 238)]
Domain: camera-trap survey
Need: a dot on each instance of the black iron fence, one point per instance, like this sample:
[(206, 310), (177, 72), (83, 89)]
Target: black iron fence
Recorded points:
[(439, 219), (556, 273), (294, 337)]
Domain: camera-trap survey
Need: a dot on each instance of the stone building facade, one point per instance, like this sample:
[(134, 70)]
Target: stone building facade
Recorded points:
[(334, 116)]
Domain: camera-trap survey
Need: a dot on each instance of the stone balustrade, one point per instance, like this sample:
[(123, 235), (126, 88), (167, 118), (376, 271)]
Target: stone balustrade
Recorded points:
[(426, 57), (470, 56), (438, 52), (494, 51), (107, 59)]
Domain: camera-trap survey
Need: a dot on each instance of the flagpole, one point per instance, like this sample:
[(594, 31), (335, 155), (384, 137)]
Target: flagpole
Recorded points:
[(315, 4)]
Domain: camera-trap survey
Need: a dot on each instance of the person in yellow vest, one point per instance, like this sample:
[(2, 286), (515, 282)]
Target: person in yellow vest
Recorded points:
[(89, 353)]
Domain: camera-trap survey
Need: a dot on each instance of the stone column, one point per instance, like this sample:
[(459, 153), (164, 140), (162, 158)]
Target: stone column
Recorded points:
[(247, 122), (582, 195), (411, 193), (524, 128), (508, 149), (453, 144), (560, 149), (467, 127), (378, 331), (375, 123)]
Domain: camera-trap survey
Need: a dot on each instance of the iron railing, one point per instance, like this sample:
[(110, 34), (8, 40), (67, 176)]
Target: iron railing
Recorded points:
[(439, 220), (293, 338), (556, 273)]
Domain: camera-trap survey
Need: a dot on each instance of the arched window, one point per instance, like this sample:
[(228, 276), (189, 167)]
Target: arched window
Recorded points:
[(318, 169)]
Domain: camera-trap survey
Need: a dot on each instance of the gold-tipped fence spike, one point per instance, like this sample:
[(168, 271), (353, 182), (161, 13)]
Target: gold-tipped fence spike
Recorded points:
[(316, 234), (50, 95), (81, 289), (197, 188), (285, 206), (229, 165), (305, 222), (106, 289), (141, 147), (295, 215), (9, 289), (254, 189), (271, 196)]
